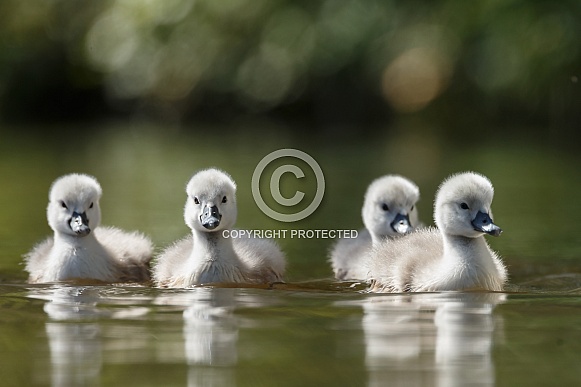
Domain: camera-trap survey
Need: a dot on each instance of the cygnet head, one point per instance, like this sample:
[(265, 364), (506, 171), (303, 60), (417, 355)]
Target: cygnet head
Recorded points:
[(389, 208), (211, 202), (462, 206), (73, 207)]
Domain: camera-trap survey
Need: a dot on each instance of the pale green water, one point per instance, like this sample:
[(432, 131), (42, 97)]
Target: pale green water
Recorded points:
[(311, 331)]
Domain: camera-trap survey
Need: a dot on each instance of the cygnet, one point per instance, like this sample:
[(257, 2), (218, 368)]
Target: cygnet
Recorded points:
[(389, 211), (80, 249), (454, 256), (209, 255)]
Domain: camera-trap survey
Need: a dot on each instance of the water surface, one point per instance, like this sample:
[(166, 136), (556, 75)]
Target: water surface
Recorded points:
[(312, 330)]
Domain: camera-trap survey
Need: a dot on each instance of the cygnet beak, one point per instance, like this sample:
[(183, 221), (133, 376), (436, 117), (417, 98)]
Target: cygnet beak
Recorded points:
[(210, 217), (80, 224), (401, 224), (483, 223)]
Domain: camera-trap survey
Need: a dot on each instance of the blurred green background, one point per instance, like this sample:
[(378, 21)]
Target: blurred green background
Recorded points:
[(142, 94), (456, 63)]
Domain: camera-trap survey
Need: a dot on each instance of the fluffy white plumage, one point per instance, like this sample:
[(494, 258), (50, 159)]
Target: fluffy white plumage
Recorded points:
[(455, 256), (80, 249), (388, 212), (207, 256)]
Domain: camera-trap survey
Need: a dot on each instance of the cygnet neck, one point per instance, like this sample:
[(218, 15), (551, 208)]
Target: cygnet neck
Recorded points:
[(464, 249), (75, 242), (211, 246)]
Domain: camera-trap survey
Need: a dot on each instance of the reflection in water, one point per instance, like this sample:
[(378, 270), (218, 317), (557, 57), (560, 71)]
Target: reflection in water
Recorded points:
[(418, 339), (75, 346), (74, 334), (210, 330), (464, 341), (82, 334), (211, 334), (75, 351), (430, 339)]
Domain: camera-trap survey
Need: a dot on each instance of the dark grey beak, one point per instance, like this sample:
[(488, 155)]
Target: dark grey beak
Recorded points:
[(210, 217), (482, 222), (401, 224), (80, 224)]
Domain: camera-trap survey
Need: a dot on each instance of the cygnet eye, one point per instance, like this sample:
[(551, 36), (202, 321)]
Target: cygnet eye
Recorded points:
[(411, 209), (224, 200), (91, 206), (63, 205), (384, 207), (196, 200), (464, 206)]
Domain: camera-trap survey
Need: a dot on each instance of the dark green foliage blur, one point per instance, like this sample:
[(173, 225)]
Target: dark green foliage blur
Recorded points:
[(456, 63)]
